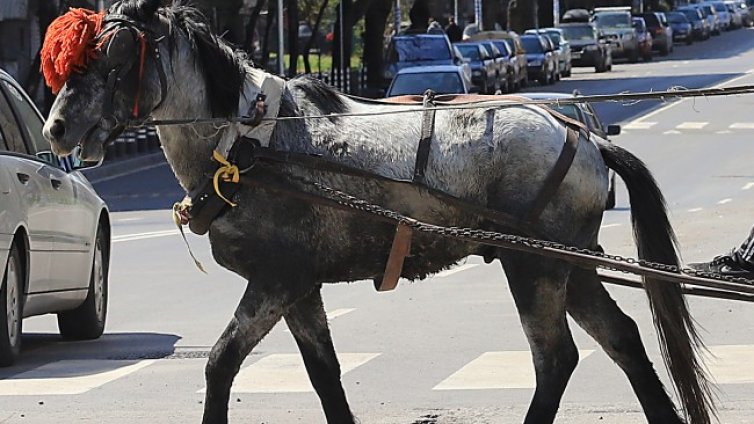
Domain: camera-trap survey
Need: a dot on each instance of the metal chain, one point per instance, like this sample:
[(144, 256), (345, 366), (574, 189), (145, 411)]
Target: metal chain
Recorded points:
[(482, 236)]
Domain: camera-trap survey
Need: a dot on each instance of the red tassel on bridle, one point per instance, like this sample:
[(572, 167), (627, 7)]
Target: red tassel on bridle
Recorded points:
[(69, 45)]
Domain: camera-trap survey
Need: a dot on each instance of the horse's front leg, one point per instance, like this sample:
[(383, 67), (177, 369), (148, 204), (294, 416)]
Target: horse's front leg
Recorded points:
[(260, 308), (308, 324)]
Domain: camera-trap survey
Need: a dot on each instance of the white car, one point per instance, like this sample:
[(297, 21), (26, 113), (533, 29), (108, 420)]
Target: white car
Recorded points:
[(54, 232)]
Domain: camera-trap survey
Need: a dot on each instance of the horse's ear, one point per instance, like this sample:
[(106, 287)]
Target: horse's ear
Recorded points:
[(142, 10), (148, 8)]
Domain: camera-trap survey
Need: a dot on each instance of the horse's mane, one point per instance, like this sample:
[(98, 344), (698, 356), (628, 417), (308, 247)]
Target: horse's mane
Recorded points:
[(223, 67), (321, 95)]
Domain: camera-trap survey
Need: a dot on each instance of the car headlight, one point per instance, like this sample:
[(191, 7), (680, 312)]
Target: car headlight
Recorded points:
[(591, 48), (535, 62)]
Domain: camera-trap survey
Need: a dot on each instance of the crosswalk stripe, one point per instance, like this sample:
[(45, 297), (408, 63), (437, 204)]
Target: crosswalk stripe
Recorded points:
[(285, 373), (742, 126), (639, 125), (691, 125), (497, 370), (669, 132), (68, 377)]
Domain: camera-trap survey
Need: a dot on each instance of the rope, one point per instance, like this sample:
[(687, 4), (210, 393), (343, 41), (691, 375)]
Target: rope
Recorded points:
[(633, 98)]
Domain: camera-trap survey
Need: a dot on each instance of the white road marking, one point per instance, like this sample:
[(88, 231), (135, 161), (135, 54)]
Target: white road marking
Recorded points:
[(142, 236), (285, 373), (691, 125), (449, 272), (747, 186), (611, 225), (68, 377), (724, 201), (676, 103), (639, 125), (731, 364), (742, 126), (723, 132), (497, 370), (695, 210), (668, 132)]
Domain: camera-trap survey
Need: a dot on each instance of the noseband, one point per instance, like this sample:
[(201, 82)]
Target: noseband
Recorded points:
[(112, 23)]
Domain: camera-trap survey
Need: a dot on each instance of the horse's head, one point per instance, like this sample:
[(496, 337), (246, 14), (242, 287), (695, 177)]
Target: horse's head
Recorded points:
[(108, 71)]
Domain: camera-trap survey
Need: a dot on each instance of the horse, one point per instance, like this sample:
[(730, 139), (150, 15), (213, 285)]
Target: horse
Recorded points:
[(155, 62)]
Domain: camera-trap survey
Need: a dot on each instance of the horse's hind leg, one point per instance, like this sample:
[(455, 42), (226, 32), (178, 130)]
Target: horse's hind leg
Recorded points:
[(260, 308), (597, 313), (308, 323), (538, 288)]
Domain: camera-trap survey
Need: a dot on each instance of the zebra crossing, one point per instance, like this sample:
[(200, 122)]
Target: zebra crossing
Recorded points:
[(685, 127), (285, 372)]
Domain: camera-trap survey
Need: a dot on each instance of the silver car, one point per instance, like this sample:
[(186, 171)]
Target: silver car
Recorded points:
[(54, 232)]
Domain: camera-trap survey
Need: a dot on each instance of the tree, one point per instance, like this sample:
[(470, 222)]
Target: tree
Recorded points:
[(522, 15), (374, 40)]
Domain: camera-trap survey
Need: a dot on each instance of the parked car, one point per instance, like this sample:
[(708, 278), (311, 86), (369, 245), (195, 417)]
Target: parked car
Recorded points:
[(736, 14), (700, 26), (585, 113), (711, 16), (503, 64), (746, 15), (645, 38), (562, 46), (541, 64), (683, 30), (54, 232), (553, 49), (587, 47), (723, 15), (442, 79), (418, 50), (662, 32), (484, 70), (513, 42), (615, 24)]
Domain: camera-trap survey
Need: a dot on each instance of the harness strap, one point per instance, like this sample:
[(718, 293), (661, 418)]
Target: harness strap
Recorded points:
[(556, 175), (425, 141)]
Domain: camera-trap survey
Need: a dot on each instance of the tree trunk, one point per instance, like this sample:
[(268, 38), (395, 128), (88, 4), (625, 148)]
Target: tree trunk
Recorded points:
[(314, 37), (374, 40), (491, 14), (292, 38), (522, 16), (252, 26), (271, 11)]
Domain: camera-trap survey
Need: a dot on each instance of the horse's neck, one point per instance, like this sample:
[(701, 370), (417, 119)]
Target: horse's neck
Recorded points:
[(188, 148)]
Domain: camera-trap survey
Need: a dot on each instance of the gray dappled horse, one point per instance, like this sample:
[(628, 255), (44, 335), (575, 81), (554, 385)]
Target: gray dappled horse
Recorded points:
[(287, 248)]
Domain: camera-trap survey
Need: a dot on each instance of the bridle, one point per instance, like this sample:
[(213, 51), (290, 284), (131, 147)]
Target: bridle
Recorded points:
[(148, 43)]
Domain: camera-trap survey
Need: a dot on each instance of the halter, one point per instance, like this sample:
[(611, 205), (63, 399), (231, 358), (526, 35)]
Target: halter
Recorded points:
[(112, 23)]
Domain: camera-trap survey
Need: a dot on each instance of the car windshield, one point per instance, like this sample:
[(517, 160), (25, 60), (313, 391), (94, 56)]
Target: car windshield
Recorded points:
[(677, 18), (469, 51), (412, 49), (567, 110), (613, 20), (503, 47), (692, 15), (554, 37), (418, 83), (532, 44), (639, 25), (720, 7), (582, 32)]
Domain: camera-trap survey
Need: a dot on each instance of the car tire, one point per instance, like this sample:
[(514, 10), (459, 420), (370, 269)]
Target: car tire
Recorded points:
[(568, 72), (610, 204), (11, 307), (88, 320), (648, 57), (689, 41), (634, 56), (664, 51)]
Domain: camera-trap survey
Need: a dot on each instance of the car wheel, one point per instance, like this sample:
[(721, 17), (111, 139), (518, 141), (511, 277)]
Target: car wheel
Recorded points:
[(11, 309), (664, 51), (648, 57), (88, 320), (689, 40), (568, 72), (610, 204), (634, 56)]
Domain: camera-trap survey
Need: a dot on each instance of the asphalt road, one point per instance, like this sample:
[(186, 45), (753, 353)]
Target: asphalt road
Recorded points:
[(446, 350)]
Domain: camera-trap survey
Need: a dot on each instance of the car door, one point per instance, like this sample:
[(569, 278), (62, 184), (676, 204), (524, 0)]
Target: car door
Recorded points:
[(65, 220)]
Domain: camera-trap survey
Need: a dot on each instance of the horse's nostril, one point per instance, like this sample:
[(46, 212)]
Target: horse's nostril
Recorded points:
[(57, 130)]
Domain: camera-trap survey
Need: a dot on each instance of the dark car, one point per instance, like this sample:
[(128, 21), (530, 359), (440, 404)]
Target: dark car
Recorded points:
[(503, 63), (417, 50), (662, 32), (682, 28), (585, 113), (513, 43), (483, 66), (645, 38), (541, 64), (699, 25), (587, 48)]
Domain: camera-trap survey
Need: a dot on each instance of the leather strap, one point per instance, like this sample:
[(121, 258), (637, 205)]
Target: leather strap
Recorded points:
[(555, 176), (398, 252), (425, 142)]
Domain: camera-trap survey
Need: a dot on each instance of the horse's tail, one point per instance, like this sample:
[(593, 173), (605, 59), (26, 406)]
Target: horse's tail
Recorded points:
[(656, 242)]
